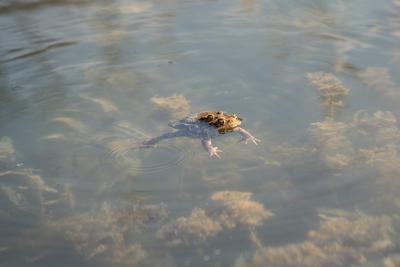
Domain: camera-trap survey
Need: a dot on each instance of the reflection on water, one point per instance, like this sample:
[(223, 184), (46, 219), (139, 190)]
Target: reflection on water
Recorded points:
[(84, 83)]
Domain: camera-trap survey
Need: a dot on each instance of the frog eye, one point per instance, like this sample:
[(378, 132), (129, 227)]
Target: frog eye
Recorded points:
[(210, 117)]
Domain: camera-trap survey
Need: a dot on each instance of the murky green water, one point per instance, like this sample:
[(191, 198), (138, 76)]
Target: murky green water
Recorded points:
[(82, 83)]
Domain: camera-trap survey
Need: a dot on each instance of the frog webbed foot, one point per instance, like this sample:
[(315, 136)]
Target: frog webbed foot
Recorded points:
[(251, 139), (247, 136), (214, 152)]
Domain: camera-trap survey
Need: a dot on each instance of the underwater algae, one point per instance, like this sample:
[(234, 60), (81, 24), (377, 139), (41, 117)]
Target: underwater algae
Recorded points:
[(330, 88), (233, 209), (135, 8), (239, 209), (393, 260), (71, 123), (378, 129), (7, 152), (195, 228), (104, 104), (333, 144), (174, 106), (343, 239), (104, 235), (380, 81), (25, 196), (328, 85)]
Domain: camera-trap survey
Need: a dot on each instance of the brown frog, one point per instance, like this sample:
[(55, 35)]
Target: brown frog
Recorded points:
[(206, 125)]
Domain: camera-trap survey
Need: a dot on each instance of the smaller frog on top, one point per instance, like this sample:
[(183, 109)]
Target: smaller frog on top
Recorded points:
[(206, 125)]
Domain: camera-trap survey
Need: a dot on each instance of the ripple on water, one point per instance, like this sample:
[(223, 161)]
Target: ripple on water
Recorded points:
[(154, 159)]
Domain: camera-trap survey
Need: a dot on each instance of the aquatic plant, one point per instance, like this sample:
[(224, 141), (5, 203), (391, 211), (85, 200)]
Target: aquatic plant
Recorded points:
[(108, 236), (235, 209), (327, 84), (304, 254), (174, 106), (25, 196), (335, 147), (7, 152), (343, 239), (379, 129), (356, 230), (239, 209), (385, 161), (135, 8), (105, 105), (392, 260), (330, 88), (71, 123), (195, 228), (380, 80)]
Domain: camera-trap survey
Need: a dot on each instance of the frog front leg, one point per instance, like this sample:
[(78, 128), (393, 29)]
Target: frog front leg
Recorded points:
[(246, 136), (212, 150)]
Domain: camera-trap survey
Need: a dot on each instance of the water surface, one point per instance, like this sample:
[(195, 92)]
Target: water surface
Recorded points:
[(82, 83)]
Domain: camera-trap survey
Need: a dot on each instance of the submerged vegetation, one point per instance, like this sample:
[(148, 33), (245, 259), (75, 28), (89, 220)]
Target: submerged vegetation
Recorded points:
[(331, 90), (80, 93), (175, 106), (343, 239)]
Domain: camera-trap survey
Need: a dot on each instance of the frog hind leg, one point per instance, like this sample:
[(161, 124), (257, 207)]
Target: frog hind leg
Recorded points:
[(157, 139)]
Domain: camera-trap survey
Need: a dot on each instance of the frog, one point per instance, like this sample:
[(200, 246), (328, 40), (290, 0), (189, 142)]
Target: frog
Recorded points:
[(205, 126)]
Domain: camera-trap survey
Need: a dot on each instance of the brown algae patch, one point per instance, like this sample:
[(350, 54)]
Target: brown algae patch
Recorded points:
[(335, 147), (195, 228), (135, 8), (106, 235), (25, 196), (384, 161), (239, 209), (71, 123), (7, 152), (175, 106), (104, 104), (329, 86), (343, 239), (380, 80), (380, 128), (392, 261)]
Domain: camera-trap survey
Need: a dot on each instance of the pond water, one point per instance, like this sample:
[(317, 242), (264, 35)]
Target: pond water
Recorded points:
[(83, 83)]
